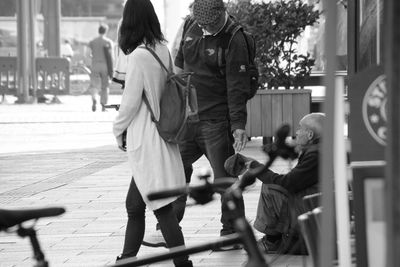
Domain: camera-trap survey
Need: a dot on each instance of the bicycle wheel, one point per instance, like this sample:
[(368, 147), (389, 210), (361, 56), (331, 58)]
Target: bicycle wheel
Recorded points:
[(79, 80)]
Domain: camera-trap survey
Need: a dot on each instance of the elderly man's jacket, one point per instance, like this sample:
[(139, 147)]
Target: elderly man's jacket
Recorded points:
[(302, 176)]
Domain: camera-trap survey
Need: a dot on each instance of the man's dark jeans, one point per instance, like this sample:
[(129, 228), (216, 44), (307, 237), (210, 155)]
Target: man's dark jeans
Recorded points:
[(214, 140)]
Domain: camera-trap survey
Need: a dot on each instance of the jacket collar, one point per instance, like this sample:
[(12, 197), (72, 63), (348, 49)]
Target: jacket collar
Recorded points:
[(223, 27), (309, 149)]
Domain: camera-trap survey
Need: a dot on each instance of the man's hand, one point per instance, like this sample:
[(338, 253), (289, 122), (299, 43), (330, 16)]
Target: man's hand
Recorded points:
[(240, 139), (120, 142), (178, 70)]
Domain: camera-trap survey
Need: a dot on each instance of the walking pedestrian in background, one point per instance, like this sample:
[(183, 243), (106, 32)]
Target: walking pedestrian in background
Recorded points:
[(66, 50), (101, 68)]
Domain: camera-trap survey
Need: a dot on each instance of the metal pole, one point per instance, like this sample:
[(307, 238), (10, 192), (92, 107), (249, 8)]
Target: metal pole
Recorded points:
[(52, 26), (341, 180), (32, 48), (23, 62), (392, 69), (327, 155)]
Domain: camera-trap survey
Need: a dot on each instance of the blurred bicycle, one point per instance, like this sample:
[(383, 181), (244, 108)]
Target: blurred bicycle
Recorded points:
[(79, 78), (11, 220)]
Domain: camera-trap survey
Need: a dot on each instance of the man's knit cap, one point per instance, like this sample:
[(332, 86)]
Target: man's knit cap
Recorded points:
[(207, 12)]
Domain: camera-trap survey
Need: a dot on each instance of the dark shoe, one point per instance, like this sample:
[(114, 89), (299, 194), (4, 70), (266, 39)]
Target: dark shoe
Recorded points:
[(42, 99), (155, 240), (268, 246), (118, 258), (225, 233), (121, 257), (94, 102), (294, 245), (185, 264), (103, 109), (237, 164), (154, 244)]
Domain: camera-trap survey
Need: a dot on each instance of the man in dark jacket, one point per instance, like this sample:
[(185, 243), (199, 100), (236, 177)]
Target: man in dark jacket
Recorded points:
[(222, 91), (281, 194)]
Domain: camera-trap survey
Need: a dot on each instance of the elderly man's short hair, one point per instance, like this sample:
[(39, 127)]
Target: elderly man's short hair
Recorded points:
[(314, 122)]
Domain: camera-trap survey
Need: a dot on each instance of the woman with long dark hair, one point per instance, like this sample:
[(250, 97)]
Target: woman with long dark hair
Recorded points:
[(156, 165)]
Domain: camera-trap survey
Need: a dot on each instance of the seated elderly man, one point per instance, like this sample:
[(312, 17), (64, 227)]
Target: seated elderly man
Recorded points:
[(281, 194)]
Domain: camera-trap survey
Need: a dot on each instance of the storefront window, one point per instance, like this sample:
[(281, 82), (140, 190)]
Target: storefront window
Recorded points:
[(370, 13)]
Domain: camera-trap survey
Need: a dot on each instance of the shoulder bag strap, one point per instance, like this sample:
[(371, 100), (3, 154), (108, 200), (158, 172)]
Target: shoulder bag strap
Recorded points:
[(146, 101), (233, 32), (169, 71)]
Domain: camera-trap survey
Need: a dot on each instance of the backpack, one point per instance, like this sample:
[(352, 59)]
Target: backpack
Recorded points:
[(178, 106), (230, 32)]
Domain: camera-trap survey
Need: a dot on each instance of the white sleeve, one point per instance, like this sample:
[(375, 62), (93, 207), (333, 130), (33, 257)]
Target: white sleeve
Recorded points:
[(131, 97)]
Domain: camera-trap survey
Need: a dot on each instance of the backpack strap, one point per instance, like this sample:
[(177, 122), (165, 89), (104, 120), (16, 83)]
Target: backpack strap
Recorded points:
[(234, 30), (169, 72), (230, 30), (146, 101), (189, 24)]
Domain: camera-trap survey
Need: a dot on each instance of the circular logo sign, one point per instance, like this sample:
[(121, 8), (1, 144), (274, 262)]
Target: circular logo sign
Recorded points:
[(374, 109)]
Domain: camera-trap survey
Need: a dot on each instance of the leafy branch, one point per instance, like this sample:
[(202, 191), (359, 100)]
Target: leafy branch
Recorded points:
[(277, 25)]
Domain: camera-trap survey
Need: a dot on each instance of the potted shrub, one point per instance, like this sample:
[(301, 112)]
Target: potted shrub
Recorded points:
[(277, 26)]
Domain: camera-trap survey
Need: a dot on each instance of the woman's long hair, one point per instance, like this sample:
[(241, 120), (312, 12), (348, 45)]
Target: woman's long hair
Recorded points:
[(139, 25)]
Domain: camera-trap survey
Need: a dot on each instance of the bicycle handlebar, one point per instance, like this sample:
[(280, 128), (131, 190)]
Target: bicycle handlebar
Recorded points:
[(202, 194), (114, 106), (194, 191)]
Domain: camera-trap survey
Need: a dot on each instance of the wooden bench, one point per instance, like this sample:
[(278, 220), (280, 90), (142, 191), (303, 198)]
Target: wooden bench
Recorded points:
[(269, 109), (53, 75), (8, 76)]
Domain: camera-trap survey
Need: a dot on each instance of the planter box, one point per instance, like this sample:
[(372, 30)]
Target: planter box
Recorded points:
[(269, 109)]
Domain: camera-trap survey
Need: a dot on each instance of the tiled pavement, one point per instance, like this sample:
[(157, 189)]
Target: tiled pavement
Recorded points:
[(64, 155)]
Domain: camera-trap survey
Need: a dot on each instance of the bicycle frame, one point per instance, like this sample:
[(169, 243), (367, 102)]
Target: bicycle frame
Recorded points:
[(38, 255)]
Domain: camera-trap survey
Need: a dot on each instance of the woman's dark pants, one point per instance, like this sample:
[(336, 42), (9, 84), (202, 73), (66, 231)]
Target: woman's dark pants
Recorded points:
[(135, 228)]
